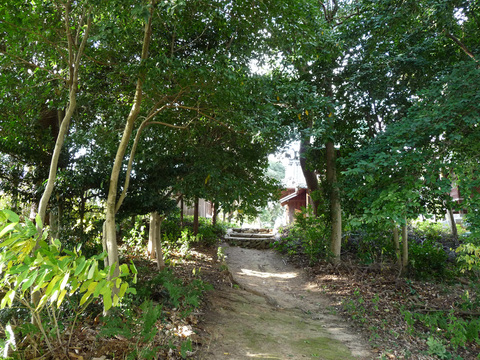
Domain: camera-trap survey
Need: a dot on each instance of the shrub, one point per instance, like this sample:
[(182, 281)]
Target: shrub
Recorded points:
[(370, 243), (427, 260), (308, 236)]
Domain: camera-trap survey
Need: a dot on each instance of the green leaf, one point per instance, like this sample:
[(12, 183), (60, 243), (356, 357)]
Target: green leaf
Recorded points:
[(52, 285), (61, 297), (91, 272), (65, 281), (99, 288), (38, 221), (107, 299), (10, 215), (132, 291), (7, 299), (80, 266), (124, 269), (31, 279), (123, 289), (6, 230)]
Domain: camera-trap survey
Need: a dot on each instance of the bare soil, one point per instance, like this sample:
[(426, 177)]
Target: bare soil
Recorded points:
[(270, 310)]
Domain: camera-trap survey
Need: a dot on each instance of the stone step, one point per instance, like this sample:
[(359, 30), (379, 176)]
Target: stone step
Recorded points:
[(233, 238), (247, 235), (250, 243), (252, 231)]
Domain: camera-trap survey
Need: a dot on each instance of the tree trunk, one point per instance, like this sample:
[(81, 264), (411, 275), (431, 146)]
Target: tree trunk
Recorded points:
[(214, 215), (396, 242), (104, 242), (110, 233), (74, 65), (310, 176), (54, 224), (404, 246), (181, 212), (151, 235), (158, 243), (335, 205), (451, 220), (195, 217)]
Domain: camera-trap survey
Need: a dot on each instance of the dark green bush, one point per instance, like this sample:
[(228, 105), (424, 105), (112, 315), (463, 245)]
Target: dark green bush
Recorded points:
[(370, 243), (427, 260)]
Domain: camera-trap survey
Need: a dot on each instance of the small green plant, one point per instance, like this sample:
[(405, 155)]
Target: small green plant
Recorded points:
[(185, 348), (184, 296), (437, 348), (140, 329), (469, 256), (42, 278), (355, 307)]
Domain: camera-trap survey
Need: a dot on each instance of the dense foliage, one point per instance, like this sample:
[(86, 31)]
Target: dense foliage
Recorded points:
[(113, 110)]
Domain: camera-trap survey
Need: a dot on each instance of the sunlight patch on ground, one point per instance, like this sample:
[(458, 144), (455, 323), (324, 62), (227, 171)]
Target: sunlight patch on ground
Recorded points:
[(288, 275), (262, 356)]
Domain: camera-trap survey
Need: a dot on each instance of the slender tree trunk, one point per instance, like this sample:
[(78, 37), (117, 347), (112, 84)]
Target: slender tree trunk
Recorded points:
[(453, 225), (181, 212), (73, 68), (335, 205), (396, 242), (151, 235), (310, 176), (195, 217), (54, 224), (215, 214), (404, 247), (158, 244), (110, 234), (74, 65)]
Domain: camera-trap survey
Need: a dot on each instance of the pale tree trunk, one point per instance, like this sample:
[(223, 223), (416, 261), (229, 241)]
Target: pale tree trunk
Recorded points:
[(72, 81), (451, 220), (151, 235), (404, 246), (158, 243), (74, 65), (335, 205), (110, 234)]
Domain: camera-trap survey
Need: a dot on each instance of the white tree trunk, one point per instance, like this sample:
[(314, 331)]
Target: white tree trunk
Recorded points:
[(74, 65), (110, 234), (152, 241)]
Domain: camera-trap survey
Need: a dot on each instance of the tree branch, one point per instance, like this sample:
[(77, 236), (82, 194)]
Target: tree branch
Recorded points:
[(459, 43), (144, 124)]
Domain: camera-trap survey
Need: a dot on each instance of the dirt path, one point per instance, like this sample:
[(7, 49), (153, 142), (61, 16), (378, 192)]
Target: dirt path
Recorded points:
[(274, 313)]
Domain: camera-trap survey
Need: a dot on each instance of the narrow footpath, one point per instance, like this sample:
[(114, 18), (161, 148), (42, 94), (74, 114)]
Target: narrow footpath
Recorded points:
[(272, 312)]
